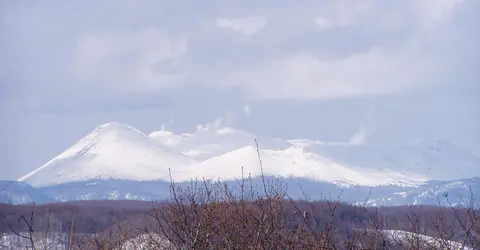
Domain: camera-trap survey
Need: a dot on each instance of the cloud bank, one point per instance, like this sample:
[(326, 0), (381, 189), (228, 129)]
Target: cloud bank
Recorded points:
[(314, 50)]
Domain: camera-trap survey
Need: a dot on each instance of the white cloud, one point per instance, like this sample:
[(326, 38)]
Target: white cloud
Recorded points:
[(306, 76), (147, 58), (431, 12), (247, 26), (399, 56), (246, 109), (323, 23)]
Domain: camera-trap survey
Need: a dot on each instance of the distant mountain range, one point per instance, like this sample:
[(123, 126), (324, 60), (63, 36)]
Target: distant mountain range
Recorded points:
[(14, 192), (444, 193), (117, 161)]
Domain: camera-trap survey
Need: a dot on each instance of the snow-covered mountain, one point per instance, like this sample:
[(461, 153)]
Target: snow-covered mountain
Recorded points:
[(295, 162), (445, 193), (223, 151), (110, 151), (213, 140), (436, 160), (119, 152)]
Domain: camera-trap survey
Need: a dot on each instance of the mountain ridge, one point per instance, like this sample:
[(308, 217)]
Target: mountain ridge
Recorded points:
[(118, 151), (111, 151)]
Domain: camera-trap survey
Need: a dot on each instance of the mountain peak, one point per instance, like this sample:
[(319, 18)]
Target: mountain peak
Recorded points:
[(111, 151), (112, 124), (116, 127)]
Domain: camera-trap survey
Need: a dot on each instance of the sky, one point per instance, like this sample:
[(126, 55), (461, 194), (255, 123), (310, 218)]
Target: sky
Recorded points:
[(373, 71)]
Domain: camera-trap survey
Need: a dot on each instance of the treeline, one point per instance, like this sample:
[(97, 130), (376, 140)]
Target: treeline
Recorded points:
[(90, 216), (212, 215)]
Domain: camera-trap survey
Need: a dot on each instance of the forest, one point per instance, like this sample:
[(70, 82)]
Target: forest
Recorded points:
[(213, 215)]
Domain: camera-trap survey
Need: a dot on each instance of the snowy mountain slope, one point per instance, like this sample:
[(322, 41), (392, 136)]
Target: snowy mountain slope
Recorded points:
[(293, 162), (457, 192), (111, 151), (14, 192), (436, 160), (364, 159), (353, 163), (353, 155), (213, 140), (224, 150), (229, 166), (324, 167)]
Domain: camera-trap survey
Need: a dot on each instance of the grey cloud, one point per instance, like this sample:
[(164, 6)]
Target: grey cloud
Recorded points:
[(129, 48)]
